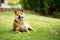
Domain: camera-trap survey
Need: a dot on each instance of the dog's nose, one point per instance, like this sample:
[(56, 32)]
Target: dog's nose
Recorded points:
[(20, 17)]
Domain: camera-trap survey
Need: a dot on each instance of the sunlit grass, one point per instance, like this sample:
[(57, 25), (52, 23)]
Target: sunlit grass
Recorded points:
[(46, 28)]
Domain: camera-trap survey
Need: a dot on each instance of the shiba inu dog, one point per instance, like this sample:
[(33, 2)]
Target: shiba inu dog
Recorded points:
[(19, 24)]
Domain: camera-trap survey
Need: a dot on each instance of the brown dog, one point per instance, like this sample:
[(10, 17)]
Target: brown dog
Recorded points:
[(19, 23)]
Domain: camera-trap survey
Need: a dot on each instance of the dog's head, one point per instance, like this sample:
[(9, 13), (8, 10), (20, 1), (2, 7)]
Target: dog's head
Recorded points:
[(19, 14)]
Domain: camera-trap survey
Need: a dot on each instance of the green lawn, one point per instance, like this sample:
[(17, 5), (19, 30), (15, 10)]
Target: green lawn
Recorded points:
[(46, 28)]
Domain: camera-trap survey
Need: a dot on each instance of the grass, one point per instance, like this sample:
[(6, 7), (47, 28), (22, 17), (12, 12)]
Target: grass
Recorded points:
[(46, 28)]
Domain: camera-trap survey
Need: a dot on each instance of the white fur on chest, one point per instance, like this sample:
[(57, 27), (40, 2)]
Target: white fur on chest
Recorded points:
[(23, 26)]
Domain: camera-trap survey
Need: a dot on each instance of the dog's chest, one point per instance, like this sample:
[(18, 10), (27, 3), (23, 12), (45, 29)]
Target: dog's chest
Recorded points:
[(22, 26)]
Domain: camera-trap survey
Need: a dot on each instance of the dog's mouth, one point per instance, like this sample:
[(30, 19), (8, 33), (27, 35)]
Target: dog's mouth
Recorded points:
[(20, 18)]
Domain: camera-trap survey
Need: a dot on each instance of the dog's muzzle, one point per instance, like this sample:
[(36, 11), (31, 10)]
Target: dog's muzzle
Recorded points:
[(20, 17)]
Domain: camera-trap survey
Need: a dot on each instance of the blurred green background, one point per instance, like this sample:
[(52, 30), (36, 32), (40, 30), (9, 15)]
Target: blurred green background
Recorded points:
[(43, 7), (13, 1)]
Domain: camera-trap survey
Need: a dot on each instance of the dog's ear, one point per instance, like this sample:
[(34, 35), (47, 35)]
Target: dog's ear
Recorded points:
[(22, 10)]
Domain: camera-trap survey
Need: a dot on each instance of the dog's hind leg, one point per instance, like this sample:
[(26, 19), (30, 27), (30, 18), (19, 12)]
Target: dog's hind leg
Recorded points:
[(27, 30), (30, 28)]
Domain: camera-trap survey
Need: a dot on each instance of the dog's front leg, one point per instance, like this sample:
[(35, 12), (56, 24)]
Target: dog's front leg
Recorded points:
[(17, 29)]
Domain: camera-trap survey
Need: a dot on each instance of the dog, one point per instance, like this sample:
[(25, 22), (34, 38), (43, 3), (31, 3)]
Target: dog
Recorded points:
[(20, 24)]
